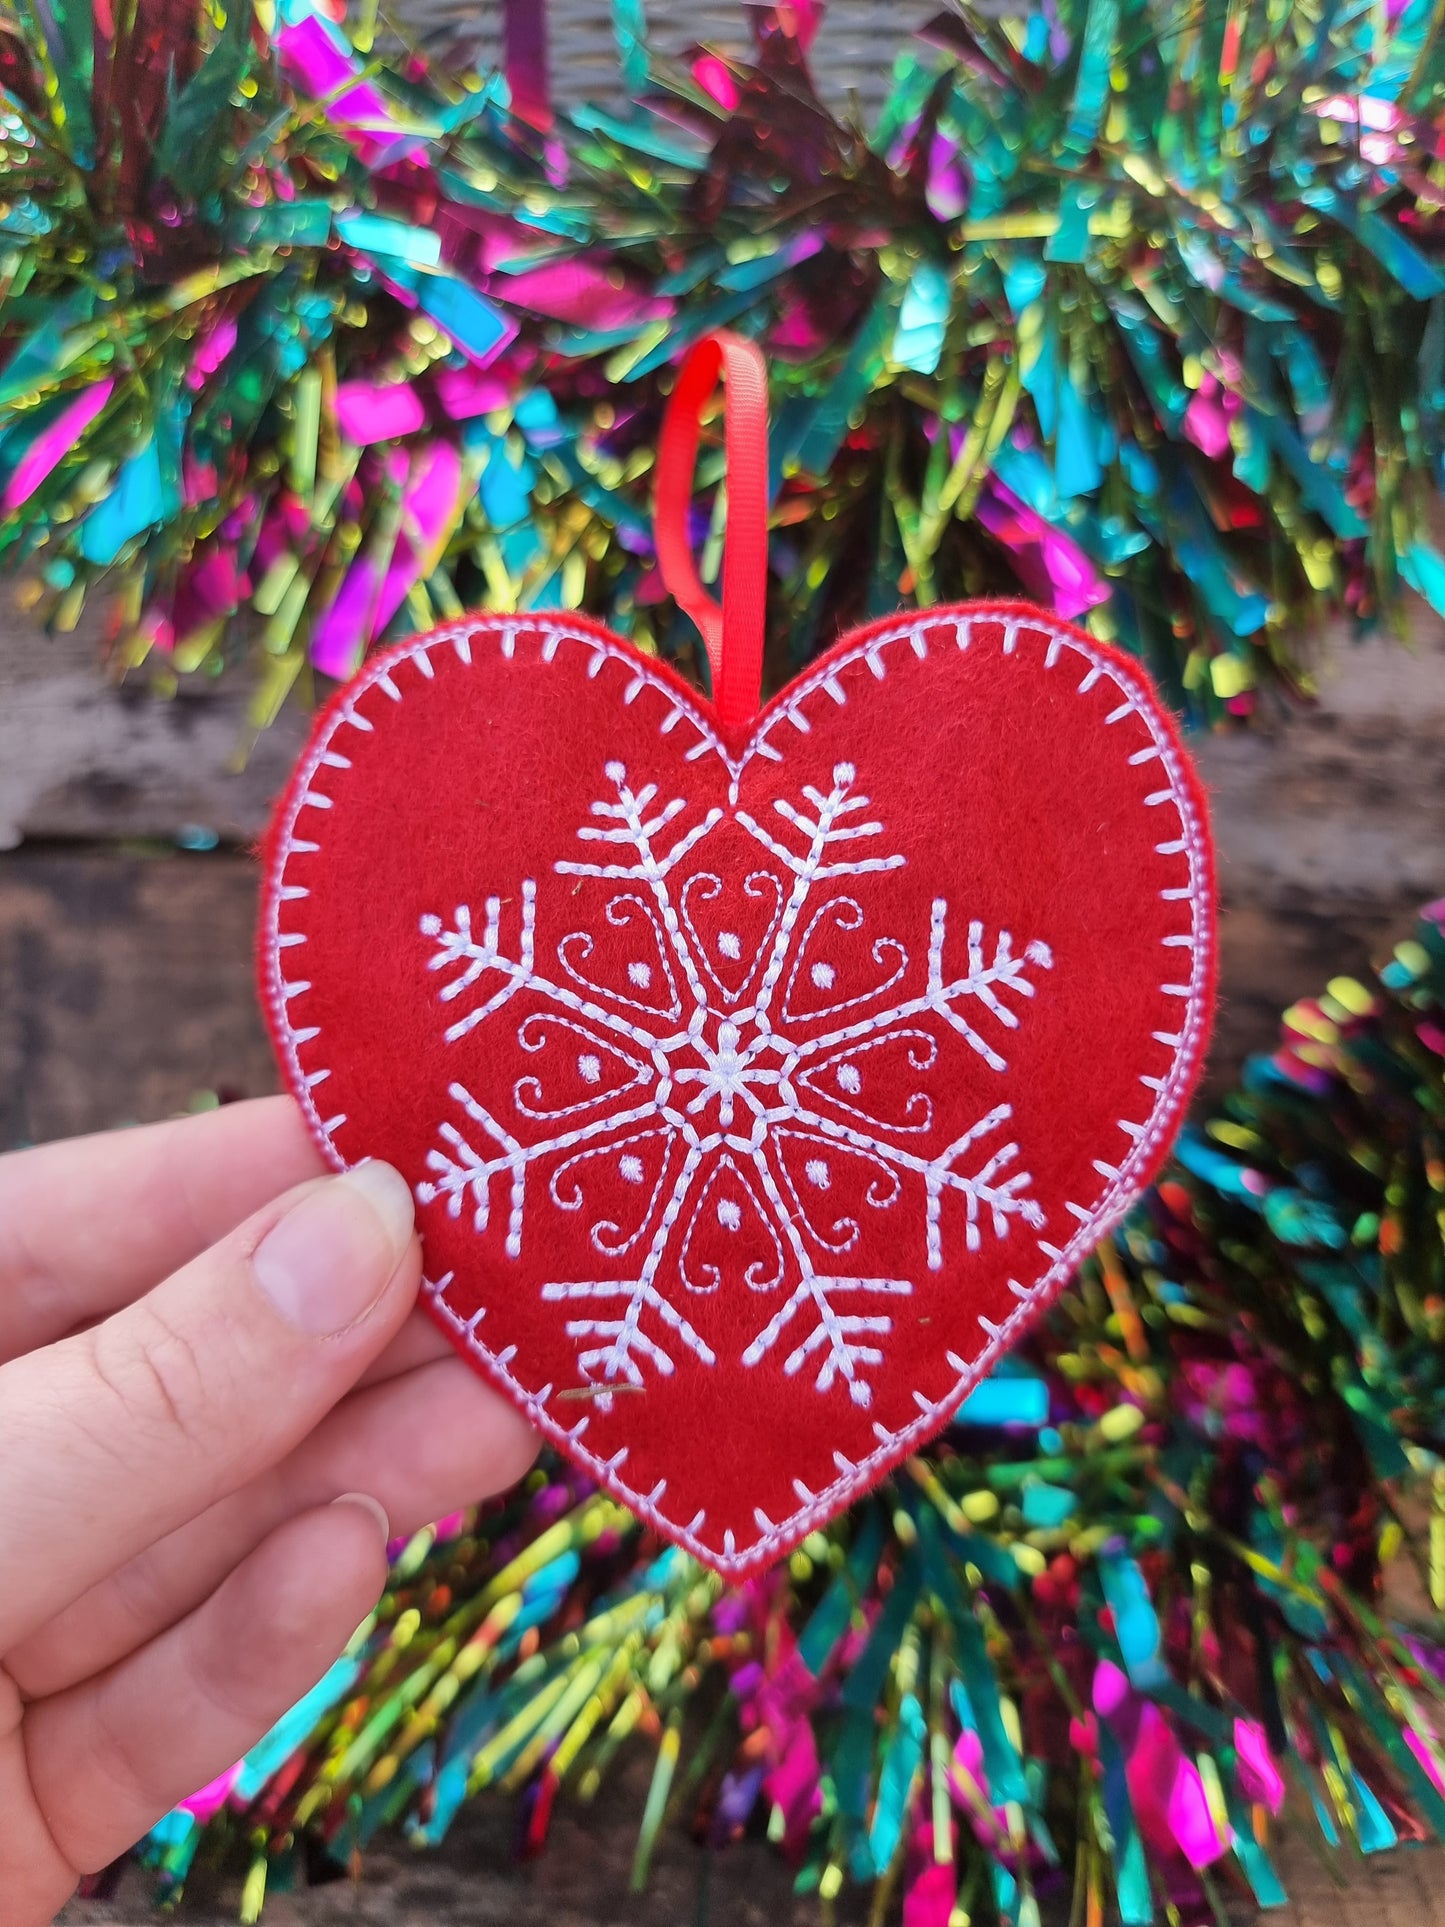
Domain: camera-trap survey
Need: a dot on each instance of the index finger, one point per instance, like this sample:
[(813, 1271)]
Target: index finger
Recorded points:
[(92, 1223)]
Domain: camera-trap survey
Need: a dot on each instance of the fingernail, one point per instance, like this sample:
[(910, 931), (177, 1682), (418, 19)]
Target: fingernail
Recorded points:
[(328, 1260), (368, 1504)]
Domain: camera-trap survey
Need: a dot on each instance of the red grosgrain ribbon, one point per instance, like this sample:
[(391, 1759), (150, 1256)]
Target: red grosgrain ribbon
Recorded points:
[(734, 632)]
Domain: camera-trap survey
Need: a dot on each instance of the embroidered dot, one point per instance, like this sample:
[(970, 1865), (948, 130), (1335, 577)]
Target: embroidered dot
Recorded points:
[(639, 974), (729, 1214), (631, 1168), (850, 1079), (589, 1068), (823, 975), (730, 944), (816, 1171), (431, 925)]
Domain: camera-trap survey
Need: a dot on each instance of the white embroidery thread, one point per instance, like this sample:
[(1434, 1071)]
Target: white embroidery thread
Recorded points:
[(723, 1091)]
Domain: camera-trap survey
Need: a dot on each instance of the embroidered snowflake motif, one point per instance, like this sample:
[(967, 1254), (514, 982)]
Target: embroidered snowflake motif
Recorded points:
[(722, 1084)]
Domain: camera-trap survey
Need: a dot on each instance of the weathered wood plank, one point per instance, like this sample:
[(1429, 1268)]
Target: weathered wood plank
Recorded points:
[(1330, 824), (125, 987), (80, 757)]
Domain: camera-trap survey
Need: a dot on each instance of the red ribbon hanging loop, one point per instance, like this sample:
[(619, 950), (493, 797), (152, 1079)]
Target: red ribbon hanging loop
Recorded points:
[(734, 632)]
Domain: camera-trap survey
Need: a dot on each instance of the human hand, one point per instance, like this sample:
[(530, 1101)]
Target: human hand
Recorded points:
[(215, 1399)]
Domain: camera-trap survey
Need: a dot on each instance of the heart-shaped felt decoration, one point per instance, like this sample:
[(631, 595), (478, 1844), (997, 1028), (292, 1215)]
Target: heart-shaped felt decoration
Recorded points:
[(760, 1080)]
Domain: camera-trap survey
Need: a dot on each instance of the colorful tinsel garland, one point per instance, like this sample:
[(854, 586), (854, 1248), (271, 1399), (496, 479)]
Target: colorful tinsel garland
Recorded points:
[(1177, 1571), (1133, 304)]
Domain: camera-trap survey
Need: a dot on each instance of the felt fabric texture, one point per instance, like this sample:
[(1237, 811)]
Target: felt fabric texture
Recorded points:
[(759, 1085)]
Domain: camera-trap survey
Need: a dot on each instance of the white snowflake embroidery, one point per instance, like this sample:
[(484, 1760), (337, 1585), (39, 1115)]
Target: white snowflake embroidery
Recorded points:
[(702, 1088)]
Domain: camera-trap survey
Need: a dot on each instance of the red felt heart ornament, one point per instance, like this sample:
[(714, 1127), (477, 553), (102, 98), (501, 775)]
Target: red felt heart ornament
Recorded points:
[(761, 1076)]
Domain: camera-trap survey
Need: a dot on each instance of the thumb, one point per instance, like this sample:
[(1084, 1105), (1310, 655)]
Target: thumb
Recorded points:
[(116, 1436)]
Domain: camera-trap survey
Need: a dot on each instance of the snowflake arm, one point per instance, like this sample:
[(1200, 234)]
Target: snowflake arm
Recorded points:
[(633, 827), (462, 1171), (940, 997), (837, 1335), (840, 1341), (1002, 1201), (460, 946), (823, 829), (1005, 969), (820, 831), (626, 1341)]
